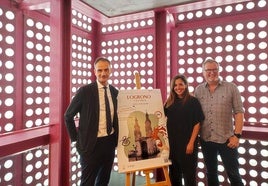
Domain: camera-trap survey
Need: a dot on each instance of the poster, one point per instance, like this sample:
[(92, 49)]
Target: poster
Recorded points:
[(143, 141)]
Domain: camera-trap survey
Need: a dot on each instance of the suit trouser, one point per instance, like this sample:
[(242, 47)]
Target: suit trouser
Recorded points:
[(229, 159), (183, 168), (96, 167)]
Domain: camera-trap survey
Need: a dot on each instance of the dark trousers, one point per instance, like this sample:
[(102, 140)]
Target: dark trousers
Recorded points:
[(229, 158), (96, 167), (183, 168)]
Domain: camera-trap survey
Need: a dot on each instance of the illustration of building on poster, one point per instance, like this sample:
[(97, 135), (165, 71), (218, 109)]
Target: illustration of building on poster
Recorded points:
[(143, 141)]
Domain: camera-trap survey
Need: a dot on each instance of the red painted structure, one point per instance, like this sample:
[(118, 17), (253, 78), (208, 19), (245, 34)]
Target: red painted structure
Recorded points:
[(46, 56)]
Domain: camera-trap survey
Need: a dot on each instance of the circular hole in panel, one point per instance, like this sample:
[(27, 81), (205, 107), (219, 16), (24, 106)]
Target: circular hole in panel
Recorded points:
[(8, 176), (39, 36), (250, 5), (199, 41), (9, 15), (221, 178), (251, 57), (229, 58), (240, 57), (199, 14), (218, 39), (240, 78), (251, 35), (9, 65), (252, 88), (38, 122), (228, 9), (262, 45), (218, 10), (253, 173), (150, 38), (209, 50), (9, 102), (239, 37), (252, 99), (9, 52), (8, 164), (29, 124), (229, 48), (251, 46), (190, 15), (181, 17), (9, 89), (208, 40), (251, 78), (181, 34), (240, 68), (253, 162), (239, 26), (240, 47), (252, 182), (252, 151), (38, 164), (9, 77), (190, 51), (199, 50), (190, 33), (181, 52), (250, 25), (239, 7), (263, 78), (262, 23), (252, 110), (29, 112), (262, 4), (181, 71), (9, 40), (228, 28), (181, 43), (229, 78), (9, 127), (190, 70), (229, 68), (199, 32), (251, 67), (8, 114), (263, 88), (253, 120), (208, 12)]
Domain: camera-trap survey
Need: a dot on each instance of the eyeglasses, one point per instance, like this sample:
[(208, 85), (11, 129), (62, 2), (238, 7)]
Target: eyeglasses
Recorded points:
[(212, 70)]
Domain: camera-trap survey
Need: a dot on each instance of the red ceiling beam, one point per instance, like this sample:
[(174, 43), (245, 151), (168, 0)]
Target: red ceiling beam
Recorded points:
[(34, 5)]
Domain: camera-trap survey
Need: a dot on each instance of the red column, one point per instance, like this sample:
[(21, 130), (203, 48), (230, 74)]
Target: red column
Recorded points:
[(161, 52), (60, 22)]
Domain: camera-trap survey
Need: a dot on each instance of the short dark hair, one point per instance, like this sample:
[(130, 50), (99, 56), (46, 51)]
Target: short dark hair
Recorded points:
[(101, 59), (210, 60)]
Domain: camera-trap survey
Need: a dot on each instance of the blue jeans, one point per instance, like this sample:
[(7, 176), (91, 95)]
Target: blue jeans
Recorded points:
[(229, 158)]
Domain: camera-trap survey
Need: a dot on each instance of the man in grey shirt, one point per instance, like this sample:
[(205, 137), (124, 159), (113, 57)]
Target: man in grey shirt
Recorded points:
[(220, 132)]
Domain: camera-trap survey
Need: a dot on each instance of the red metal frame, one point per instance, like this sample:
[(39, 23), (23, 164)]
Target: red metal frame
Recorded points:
[(60, 78), (21, 140)]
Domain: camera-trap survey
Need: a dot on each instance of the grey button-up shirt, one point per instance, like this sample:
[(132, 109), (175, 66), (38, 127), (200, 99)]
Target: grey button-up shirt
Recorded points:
[(219, 108)]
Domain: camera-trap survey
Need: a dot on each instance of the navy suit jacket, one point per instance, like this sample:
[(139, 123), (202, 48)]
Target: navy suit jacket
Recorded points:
[(86, 103)]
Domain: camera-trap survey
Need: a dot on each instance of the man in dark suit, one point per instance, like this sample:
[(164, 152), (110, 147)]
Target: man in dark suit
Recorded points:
[(96, 139)]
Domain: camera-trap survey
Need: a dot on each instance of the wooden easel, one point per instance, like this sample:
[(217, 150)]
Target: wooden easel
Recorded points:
[(147, 172), (165, 182)]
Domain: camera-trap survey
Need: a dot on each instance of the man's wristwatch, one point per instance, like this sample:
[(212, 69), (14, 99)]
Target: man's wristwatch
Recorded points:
[(237, 135)]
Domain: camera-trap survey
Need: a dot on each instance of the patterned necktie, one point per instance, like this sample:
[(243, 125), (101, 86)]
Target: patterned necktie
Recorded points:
[(108, 112)]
